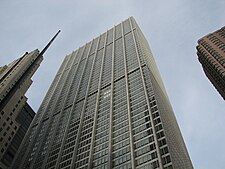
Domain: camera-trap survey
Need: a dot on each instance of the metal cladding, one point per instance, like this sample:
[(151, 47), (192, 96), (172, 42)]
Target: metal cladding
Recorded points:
[(106, 108)]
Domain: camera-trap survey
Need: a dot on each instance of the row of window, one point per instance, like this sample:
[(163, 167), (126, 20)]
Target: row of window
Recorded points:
[(217, 41), (58, 138), (102, 138), (47, 98), (96, 72), (85, 78), (213, 52), (211, 64), (70, 74), (59, 88), (107, 65), (74, 85), (46, 141), (131, 55)]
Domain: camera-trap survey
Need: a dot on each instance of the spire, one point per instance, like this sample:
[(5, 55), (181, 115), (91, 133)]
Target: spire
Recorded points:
[(49, 43)]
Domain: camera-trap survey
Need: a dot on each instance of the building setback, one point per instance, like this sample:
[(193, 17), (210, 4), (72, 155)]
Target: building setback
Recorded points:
[(211, 54), (16, 115), (106, 108)]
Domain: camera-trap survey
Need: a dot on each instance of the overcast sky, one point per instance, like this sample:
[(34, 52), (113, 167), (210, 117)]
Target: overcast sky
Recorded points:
[(172, 29)]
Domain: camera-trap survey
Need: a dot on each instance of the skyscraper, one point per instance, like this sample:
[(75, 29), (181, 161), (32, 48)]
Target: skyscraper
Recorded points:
[(106, 108), (211, 54), (16, 115)]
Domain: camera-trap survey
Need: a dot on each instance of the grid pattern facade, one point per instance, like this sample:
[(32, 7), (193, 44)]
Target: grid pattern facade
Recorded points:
[(211, 54), (102, 111)]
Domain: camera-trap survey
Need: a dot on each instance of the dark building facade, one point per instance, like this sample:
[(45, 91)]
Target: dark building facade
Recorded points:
[(15, 113), (106, 108), (24, 119), (211, 54)]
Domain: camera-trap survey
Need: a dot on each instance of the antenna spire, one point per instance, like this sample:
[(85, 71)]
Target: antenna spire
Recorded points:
[(49, 43)]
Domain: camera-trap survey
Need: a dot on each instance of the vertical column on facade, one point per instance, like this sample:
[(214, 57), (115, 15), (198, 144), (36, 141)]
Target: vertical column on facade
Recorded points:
[(96, 108), (147, 99), (38, 130), (128, 103), (52, 139), (47, 98), (60, 118), (111, 104), (73, 105), (83, 109), (41, 135), (54, 149), (53, 120)]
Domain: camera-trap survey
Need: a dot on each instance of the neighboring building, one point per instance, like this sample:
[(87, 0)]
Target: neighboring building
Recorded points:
[(24, 118), (106, 108), (15, 113), (12, 103), (211, 54)]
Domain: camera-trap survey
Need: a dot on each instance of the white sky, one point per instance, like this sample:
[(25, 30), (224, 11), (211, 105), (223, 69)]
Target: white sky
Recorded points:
[(172, 29)]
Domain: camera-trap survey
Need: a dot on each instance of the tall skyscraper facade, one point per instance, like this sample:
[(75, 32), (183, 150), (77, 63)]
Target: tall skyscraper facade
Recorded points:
[(106, 108), (16, 115), (211, 54)]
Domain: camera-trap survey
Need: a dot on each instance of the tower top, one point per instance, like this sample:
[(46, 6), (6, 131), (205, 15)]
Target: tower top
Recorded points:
[(49, 43)]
